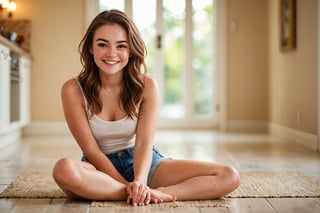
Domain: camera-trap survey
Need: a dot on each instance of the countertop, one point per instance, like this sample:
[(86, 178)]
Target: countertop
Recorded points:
[(13, 47)]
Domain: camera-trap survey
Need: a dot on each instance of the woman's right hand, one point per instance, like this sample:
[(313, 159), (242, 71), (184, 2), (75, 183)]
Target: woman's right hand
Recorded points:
[(138, 195)]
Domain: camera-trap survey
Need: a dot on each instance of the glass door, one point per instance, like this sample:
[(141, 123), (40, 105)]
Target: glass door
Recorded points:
[(180, 39)]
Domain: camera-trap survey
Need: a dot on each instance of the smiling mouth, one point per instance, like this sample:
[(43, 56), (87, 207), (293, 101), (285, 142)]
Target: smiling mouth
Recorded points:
[(111, 62)]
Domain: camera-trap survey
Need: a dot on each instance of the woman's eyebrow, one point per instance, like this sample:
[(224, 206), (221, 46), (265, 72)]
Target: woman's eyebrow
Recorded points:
[(101, 39), (104, 40)]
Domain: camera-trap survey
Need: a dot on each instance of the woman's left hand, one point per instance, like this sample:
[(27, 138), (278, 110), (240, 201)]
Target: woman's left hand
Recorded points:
[(138, 193)]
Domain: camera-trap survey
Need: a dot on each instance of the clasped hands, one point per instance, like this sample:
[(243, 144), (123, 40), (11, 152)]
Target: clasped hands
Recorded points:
[(140, 194)]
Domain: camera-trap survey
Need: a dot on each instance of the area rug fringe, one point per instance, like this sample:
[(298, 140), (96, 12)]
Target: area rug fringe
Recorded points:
[(218, 203)]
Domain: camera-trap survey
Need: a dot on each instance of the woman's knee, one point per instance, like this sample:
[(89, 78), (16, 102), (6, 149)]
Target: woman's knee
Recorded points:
[(232, 176), (65, 172)]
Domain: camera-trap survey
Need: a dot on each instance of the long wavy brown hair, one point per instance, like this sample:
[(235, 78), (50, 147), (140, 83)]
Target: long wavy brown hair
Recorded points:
[(133, 73)]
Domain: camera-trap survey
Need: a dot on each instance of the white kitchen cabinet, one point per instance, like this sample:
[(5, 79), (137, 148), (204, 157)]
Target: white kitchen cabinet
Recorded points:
[(4, 88), (14, 92), (24, 90)]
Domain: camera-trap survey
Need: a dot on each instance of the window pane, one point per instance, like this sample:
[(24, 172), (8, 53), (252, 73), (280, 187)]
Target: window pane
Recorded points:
[(145, 19), (111, 4), (202, 62), (174, 58)]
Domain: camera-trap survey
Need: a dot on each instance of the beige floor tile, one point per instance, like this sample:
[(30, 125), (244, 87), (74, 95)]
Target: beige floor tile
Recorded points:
[(246, 152)]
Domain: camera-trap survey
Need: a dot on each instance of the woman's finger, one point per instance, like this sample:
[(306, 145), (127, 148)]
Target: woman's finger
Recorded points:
[(148, 197), (134, 186), (142, 194)]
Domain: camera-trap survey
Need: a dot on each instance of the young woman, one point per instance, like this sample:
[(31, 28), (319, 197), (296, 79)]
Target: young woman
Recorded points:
[(111, 109)]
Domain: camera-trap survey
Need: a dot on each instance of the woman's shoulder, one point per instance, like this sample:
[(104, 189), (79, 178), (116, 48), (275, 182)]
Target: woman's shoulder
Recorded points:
[(70, 87), (150, 86), (71, 93), (150, 82), (70, 84)]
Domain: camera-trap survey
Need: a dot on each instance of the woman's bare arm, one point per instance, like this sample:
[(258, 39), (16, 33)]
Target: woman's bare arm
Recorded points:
[(76, 117)]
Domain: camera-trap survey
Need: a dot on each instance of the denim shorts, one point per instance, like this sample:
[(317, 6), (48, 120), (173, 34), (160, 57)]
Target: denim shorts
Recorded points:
[(123, 162)]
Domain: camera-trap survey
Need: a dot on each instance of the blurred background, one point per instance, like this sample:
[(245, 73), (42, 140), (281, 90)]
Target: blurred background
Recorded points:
[(220, 64)]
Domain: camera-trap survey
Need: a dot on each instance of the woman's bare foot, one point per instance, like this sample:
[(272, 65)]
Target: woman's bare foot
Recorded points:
[(157, 196)]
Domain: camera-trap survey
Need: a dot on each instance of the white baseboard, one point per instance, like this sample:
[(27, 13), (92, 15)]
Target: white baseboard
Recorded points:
[(46, 128), (247, 126), (307, 139)]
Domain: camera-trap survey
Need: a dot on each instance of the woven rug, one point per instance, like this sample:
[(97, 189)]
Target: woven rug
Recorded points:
[(253, 185), (219, 203)]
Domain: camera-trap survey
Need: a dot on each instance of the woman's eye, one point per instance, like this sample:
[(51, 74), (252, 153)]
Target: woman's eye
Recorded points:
[(101, 45), (122, 46)]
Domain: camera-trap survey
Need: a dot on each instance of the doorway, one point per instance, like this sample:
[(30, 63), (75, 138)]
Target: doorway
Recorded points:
[(181, 45)]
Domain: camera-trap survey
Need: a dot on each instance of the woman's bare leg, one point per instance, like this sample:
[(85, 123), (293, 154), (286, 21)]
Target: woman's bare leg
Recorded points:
[(81, 179), (194, 180)]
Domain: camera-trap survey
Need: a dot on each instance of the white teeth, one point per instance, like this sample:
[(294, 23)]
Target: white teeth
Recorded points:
[(111, 62)]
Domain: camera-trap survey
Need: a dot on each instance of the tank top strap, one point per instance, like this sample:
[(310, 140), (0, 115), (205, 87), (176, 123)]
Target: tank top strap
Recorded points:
[(84, 97)]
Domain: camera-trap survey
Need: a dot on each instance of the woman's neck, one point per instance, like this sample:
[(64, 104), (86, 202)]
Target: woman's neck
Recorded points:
[(111, 85)]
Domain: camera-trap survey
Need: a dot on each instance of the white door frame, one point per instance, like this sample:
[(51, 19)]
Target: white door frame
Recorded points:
[(318, 138), (221, 68)]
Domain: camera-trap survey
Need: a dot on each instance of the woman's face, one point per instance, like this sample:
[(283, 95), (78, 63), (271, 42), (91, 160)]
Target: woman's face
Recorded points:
[(110, 49)]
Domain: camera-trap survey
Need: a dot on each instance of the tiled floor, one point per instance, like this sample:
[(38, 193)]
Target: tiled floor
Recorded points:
[(246, 152)]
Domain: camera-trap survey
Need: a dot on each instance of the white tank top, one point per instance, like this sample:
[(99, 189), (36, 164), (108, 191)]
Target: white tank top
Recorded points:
[(111, 136)]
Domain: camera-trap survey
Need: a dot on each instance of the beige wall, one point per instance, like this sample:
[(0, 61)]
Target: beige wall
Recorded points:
[(247, 60), (57, 27), (293, 75), (263, 84)]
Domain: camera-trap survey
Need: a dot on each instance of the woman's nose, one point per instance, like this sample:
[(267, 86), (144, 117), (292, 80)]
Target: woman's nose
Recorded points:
[(111, 50)]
